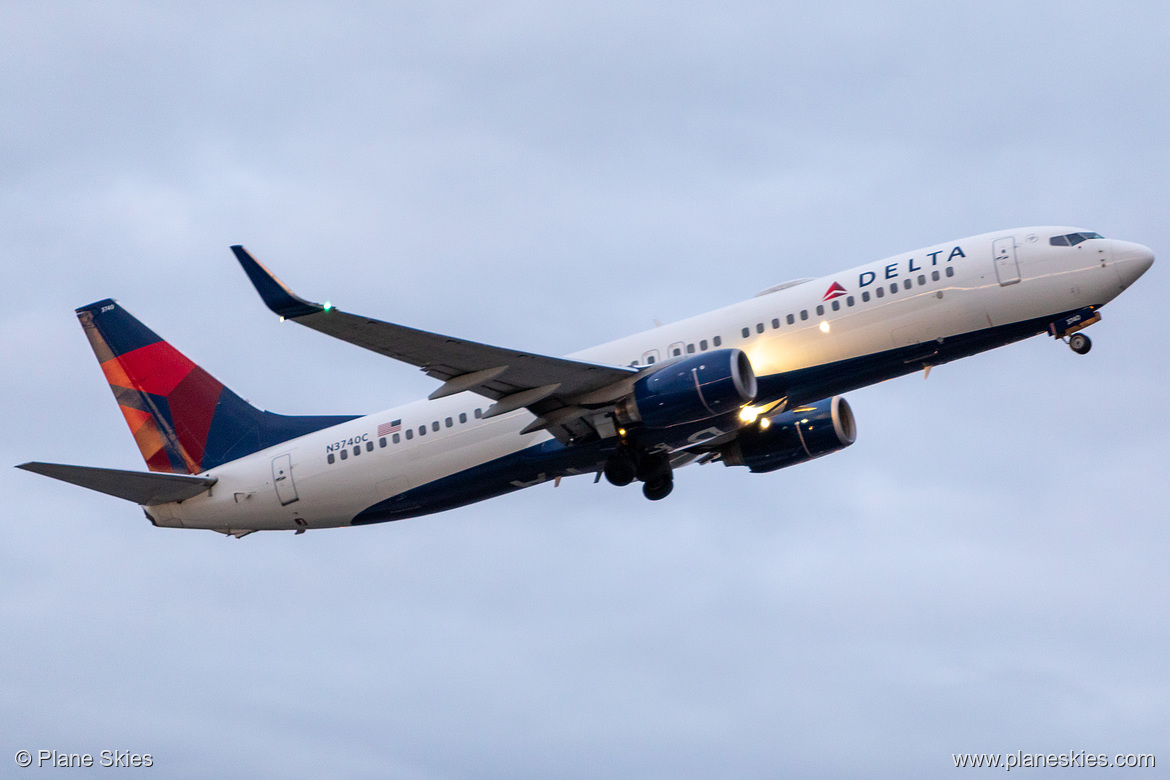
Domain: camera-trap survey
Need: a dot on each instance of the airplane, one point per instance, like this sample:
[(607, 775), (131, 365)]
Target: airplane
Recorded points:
[(757, 384)]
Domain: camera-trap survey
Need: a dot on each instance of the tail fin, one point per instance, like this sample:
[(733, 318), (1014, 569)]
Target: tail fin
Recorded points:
[(184, 420)]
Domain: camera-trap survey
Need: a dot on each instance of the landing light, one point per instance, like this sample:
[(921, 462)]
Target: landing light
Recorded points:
[(824, 326), (764, 423), (749, 414)]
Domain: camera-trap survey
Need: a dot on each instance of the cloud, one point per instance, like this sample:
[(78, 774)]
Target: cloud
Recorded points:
[(982, 571)]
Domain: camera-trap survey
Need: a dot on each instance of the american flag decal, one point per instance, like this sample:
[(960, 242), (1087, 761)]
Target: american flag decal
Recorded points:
[(391, 427)]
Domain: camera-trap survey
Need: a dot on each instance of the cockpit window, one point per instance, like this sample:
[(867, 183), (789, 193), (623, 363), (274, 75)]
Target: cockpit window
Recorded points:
[(1072, 239)]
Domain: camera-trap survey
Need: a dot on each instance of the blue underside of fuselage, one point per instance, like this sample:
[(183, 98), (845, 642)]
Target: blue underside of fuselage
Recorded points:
[(551, 459)]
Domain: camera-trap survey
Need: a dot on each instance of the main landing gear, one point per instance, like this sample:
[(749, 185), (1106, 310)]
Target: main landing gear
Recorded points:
[(1079, 343), (652, 469)]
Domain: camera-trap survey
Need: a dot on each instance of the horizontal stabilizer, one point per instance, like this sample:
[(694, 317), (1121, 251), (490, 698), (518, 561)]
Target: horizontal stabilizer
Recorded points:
[(144, 488)]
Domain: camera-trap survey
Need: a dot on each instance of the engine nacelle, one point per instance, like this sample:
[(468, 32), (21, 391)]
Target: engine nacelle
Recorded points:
[(794, 436), (696, 388)]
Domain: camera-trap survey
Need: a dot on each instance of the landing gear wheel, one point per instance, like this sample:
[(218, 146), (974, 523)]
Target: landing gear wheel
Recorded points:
[(652, 468), (620, 469), (1079, 343), (658, 489)]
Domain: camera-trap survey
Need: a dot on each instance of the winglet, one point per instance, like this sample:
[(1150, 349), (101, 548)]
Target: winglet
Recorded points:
[(274, 292)]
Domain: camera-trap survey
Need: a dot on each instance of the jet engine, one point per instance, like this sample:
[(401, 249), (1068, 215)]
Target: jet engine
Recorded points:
[(696, 388), (793, 437)]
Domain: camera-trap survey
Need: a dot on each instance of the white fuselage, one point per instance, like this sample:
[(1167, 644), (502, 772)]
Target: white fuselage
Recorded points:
[(960, 287)]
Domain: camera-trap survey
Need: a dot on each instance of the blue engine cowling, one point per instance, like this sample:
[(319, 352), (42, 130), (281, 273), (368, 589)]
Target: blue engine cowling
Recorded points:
[(794, 436), (696, 388)]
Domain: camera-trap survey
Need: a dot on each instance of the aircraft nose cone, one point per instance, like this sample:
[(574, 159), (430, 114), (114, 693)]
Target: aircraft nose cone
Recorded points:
[(1132, 260)]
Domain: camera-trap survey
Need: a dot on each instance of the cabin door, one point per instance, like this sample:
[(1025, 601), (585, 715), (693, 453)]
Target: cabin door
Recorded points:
[(1007, 269), (282, 478)]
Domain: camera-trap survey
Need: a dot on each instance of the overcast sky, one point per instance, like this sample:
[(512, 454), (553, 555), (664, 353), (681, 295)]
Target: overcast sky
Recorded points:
[(984, 571)]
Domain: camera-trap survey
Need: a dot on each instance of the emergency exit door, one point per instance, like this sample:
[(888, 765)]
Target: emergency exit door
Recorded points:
[(282, 478)]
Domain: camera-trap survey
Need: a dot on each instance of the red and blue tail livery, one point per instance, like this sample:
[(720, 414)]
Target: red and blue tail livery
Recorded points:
[(756, 384), (183, 419)]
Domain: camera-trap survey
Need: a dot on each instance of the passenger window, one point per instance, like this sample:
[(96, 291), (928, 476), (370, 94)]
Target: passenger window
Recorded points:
[(921, 279), (397, 439), (357, 450), (676, 351), (449, 422), (790, 319), (382, 442), (881, 292), (344, 454), (893, 287), (849, 301), (435, 426), (409, 433), (703, 345), (370, 446), (422, 430), (950, 270), (463, 417), (690, 349), (330, 458), (934, 276), (865, 297), (836, 305), (759, 327), (717, 340), (650, 360), (907, 284), (804, 314), (746, 332), (776, 323), (820, 311), (479, 413)]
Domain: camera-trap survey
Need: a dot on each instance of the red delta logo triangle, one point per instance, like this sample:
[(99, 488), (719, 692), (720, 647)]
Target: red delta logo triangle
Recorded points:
[(834, 291)]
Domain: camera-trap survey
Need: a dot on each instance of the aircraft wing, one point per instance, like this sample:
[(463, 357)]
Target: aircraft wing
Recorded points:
[(552, 388)]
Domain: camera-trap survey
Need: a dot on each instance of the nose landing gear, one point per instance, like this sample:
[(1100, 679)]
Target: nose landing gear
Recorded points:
[(1079, 343), (1068, 329)]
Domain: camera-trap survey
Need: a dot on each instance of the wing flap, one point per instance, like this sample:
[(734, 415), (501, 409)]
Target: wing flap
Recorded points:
[(144, 488)]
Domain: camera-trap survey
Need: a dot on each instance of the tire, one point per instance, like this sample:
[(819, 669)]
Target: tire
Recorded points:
[(1079, 343), (652, 468), (619, 469), (658, 489)]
